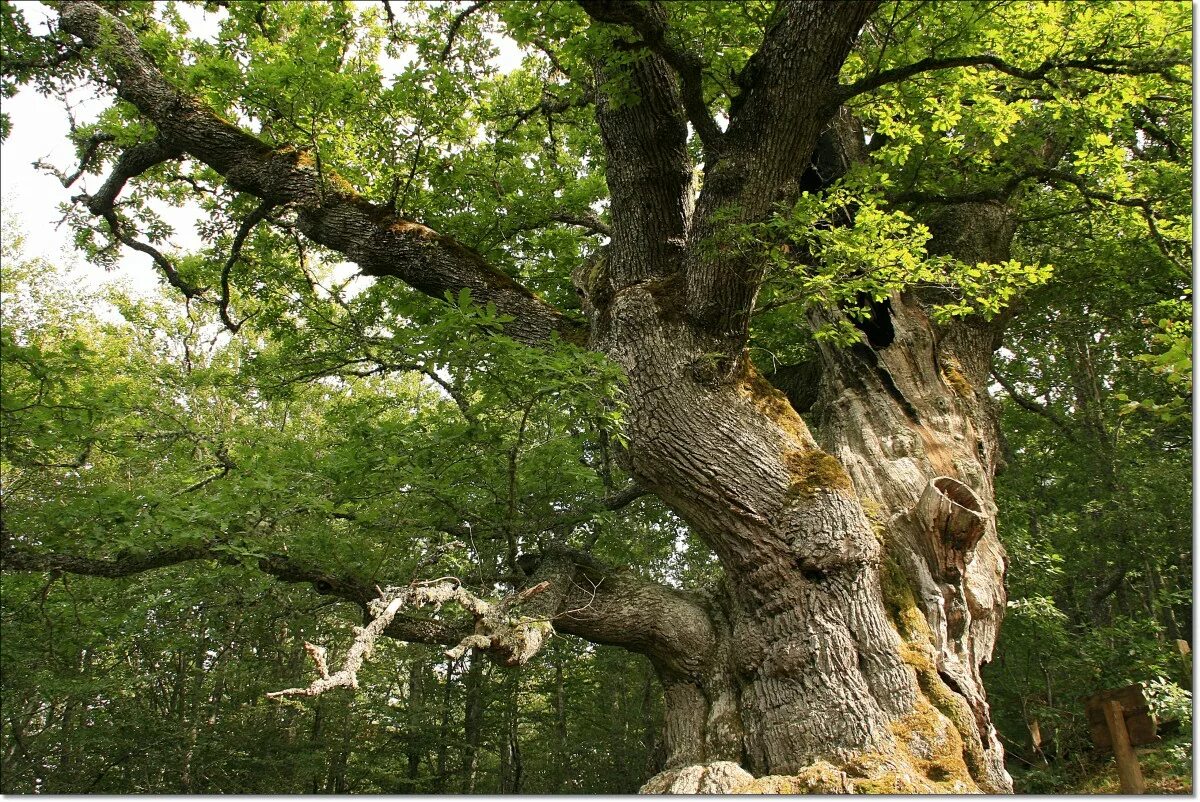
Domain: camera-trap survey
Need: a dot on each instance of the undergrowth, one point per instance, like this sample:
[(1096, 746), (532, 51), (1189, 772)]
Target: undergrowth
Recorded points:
[(1166, 767)]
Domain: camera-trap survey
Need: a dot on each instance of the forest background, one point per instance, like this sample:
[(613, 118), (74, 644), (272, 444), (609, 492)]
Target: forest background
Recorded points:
[(133, 420)]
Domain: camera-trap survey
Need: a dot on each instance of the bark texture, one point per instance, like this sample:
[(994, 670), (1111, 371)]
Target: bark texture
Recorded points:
[(862, 574), (916, 432)]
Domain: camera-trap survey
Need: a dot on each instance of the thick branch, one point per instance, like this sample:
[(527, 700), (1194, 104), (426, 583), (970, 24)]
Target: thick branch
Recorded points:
[(280, 566), (613, 606), (648, 168), (329, 212), (788, 96), (567, 590), (132, 162), (16, 559), (804, 48), (650, 20)]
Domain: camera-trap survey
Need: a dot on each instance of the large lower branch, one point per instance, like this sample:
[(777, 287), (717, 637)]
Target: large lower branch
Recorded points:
[(280, 566), (606, 605), (329, 211), (567, 590)]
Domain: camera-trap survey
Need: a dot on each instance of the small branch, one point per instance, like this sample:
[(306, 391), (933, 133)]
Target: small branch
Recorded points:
[(590, 221), (530, 592), (317, 653), (1004, 192), (75, 464), (511, 511), (552, 57), (624, 497), (1104, 66), (226, 464), (235, 252), (1141, 204), (467, 644), (206, 480), (994, 195), (164, 264), (131, 163), (1027, 403), (10, 65), (1106, 589), (547, 106), (455, 24), (382, 367), (93, 144), (617, 501)]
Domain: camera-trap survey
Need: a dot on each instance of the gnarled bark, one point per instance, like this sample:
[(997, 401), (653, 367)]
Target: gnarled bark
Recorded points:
[(862, 574)]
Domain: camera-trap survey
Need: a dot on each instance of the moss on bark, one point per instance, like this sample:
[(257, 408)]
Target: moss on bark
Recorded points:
[(811, 471)]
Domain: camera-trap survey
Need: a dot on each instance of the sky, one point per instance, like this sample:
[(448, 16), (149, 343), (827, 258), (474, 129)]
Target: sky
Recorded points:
[(41, 130)]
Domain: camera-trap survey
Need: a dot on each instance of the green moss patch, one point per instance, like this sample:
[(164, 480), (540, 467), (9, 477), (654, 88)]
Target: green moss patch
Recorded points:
[(814, 470)]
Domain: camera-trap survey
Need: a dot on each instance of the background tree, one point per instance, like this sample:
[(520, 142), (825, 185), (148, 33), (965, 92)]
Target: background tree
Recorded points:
[(843, 197)]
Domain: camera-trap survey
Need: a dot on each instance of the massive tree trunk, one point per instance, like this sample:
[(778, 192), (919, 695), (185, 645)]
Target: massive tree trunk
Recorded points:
[(862, 574), (805, 661), (806, 672)]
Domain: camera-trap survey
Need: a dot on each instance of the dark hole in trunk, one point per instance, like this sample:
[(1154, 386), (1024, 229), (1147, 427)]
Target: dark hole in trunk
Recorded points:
[(812, 575), (878, 327)]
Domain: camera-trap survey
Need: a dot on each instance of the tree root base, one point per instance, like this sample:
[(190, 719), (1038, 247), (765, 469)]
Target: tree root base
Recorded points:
[(867, 774)]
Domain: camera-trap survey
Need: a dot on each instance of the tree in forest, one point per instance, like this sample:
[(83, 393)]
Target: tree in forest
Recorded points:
[(703, 300)]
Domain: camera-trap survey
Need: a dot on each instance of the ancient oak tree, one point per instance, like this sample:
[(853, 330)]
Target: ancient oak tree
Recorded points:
[(789, 234)]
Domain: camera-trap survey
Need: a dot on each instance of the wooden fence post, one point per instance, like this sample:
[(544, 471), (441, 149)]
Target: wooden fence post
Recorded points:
[(1127, 766)]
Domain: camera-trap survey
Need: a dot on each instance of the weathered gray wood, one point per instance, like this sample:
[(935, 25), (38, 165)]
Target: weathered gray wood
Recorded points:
[(953, 520)]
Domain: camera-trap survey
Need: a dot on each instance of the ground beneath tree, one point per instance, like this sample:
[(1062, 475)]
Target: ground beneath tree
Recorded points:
[(1162, 767)]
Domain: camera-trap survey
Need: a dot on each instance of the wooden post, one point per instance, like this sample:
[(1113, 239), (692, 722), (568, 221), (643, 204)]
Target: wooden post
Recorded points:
[(1127, 765), (1035, 737), (1185, 656)]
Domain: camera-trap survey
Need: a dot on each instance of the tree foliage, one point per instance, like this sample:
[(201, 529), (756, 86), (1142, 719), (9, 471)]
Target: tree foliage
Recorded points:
[(194, 489)]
